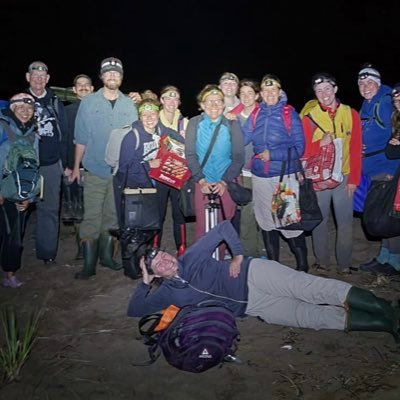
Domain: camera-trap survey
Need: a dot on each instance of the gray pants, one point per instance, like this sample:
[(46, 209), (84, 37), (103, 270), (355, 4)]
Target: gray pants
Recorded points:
[(48, 213), (280, 295), (343, 209)]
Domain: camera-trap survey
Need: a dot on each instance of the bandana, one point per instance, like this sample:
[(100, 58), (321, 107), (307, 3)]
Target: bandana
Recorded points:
[(148, 107)]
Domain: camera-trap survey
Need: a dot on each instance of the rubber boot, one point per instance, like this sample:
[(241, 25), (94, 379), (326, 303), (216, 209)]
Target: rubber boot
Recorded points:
[(271, 243), (79, 254), (298, 247), (107, 245), (78, 205), (377, 308), (68, 211), (182, 246), (360, 320), (90, 255)]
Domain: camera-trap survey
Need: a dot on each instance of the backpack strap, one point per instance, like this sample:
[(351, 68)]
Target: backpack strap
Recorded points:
[(287, 116), (376, 115)]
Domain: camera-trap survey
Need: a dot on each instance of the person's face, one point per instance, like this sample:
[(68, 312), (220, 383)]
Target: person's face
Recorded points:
[(82, 87), (37, 81), (170, 104), (270, 94), (229, 87), (111, 80), (248, 96), (326, 93), (213, 106), (149, 119), (164, 265), (368, 88), (24, 112), (396, 102)]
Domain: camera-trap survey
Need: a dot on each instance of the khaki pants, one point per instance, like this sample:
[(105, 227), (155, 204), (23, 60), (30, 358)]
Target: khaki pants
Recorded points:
[(100, 214), (280, 295)]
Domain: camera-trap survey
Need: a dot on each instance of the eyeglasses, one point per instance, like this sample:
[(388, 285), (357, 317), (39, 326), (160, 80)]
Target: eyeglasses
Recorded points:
[(214, 102)]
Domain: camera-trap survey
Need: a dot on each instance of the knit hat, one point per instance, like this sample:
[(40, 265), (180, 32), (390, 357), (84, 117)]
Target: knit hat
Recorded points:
[(21, 98), (370, 73), (228, 76), (111, 64), (322, 77)]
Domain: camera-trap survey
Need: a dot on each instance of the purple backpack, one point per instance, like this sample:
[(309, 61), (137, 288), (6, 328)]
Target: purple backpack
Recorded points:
[(198, 338)]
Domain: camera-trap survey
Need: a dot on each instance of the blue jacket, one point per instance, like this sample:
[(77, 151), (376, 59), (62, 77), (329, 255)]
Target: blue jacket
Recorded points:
[(271, 133), (135, 154), (200, 276), (376, 132), (95, 120)]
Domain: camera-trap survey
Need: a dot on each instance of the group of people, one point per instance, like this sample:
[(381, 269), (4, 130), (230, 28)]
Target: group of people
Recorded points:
[(246, 132)]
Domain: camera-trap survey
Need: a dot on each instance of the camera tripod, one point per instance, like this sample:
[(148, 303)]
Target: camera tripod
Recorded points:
[(211, 215)]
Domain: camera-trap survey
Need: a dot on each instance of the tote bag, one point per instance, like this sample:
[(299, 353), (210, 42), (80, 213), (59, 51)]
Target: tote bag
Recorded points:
[(377, 218), (325, 168)]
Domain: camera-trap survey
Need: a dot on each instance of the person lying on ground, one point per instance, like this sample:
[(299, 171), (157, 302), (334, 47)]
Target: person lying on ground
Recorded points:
[(257, 287)]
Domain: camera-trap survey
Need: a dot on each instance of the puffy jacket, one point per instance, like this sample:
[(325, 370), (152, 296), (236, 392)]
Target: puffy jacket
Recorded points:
[(270, 133)]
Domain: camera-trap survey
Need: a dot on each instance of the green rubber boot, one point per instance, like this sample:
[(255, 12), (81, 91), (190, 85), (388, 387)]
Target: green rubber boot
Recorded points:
[(90, 255), (107, 245), (368, 312)]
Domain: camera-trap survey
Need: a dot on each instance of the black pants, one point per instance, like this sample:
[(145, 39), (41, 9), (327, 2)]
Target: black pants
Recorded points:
[(164, 193), (12, 229)]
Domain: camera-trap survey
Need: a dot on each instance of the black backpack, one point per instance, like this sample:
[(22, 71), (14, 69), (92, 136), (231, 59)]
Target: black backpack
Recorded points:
[(198, 338)]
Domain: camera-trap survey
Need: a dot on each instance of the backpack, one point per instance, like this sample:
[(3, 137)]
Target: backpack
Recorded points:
[(198, 338), (21, 178), (113, 146)]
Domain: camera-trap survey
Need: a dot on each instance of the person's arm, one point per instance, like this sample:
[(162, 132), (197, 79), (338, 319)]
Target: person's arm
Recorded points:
[(237, 152), (190, 150), (205, 246), (393, 149)]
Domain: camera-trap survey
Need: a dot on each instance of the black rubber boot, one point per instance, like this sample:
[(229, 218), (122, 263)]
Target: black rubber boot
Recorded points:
[(298, 247), (90, 255), (107, 245), (78, 205), (79, 254), (68, 210), (271, 243)]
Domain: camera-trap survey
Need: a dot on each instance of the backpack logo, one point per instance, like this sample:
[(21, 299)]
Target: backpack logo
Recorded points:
[(205, 354)]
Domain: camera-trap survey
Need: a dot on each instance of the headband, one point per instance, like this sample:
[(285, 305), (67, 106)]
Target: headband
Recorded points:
[(210, 92), (148, 107)]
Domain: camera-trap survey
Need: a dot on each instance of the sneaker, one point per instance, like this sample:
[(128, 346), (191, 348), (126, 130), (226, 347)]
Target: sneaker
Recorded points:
[(320, 267), (343, 271), (370, 266), (12, 282), (384, 269)]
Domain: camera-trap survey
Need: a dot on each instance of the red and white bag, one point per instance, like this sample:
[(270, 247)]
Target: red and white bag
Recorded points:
[(325, 168)]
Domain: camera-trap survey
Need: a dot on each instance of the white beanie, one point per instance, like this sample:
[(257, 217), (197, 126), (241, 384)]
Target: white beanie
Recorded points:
[(370, 73)]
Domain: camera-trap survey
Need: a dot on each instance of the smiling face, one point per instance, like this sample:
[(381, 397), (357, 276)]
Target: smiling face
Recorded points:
[(368, 88), (248, 96), (326, 94), (270, 94), (213, 105), (170, 104), (164, 265), (229, 87), (83, 87), (24, 112), (149, 119), (38, 78), (111, 79)]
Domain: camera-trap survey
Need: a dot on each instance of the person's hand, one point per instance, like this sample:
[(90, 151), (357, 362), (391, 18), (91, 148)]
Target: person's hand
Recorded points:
[(135, 97), (205, 187), (147, 279), (75, 175), (155, 163), (350, 189), (219, 188), (264, 156), (67, 172), (326, 139), (394, 141), (234, 266), (22, 205), (231, 116)]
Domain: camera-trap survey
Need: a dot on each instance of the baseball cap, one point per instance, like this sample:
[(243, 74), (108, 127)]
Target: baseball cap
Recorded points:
[(111, 64)]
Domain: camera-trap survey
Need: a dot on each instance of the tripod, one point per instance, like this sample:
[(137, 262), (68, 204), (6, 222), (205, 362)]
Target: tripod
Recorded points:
[(211, 215)]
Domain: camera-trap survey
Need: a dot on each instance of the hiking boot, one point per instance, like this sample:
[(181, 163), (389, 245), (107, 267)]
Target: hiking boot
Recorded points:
[(384, 269), (320, 267), (12, 282), (369, 263)]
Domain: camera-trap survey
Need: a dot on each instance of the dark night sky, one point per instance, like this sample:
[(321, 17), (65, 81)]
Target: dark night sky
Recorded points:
[(190, 43)]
